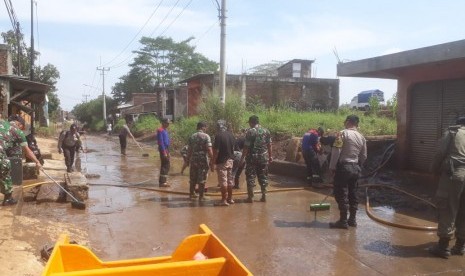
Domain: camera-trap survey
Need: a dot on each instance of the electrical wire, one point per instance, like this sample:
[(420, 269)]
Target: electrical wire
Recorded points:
[(176, 18), (124, 62), (137, 34)]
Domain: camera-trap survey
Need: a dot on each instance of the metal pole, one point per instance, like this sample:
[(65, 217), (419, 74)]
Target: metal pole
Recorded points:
[(31, 77), (223, 52), (103, 69)]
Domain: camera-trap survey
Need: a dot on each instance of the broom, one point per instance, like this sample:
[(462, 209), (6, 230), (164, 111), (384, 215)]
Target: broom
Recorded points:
[(75, 203), (322, 206), (143, 154)]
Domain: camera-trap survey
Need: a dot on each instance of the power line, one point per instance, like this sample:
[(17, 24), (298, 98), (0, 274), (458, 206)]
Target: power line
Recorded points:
[(124, 62), (176, 18), (135, 36)]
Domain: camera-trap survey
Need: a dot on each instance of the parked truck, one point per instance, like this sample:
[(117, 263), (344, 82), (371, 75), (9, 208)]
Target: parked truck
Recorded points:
[(362, 100)]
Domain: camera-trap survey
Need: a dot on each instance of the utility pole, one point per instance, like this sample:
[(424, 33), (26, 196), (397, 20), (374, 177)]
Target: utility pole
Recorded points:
[(86, 96), (222, 16), (103, 69), (31, 76)]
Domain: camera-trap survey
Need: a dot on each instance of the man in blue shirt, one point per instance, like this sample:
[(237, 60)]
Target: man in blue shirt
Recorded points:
[(310, 148), (163, 140)]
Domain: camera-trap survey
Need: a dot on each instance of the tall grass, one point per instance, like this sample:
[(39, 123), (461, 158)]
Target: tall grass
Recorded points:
[(281, 121)]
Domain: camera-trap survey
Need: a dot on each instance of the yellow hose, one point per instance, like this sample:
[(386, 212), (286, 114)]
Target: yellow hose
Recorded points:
[(36, 184), (398, 225), (187, 193)]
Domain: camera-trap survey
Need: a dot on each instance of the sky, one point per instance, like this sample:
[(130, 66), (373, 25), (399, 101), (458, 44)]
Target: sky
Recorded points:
[(77, 36)]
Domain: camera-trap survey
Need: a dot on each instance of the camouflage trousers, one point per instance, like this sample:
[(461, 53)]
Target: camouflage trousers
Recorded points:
[(450, 202), (5, 176), (253, 170), (198, 173)]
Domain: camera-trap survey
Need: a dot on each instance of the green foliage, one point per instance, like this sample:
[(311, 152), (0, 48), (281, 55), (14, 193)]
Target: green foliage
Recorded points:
[(97, 125), (286, 122), (45, 131), (212, 110), (91, 112), (161, 61), (255, 104), (374, 105), (181, 130), (145, 124), (392, 104), (267, 69), (48, 74)]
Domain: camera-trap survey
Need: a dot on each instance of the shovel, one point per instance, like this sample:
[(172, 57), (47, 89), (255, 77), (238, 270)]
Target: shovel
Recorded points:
[(75, 203)]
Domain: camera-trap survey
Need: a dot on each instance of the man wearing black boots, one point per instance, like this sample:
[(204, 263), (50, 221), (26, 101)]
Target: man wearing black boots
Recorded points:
[(449, 162), (348, 154)]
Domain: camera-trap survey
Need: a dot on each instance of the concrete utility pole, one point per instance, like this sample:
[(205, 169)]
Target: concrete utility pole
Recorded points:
[(31, 77), (222, 16), (103, 69)]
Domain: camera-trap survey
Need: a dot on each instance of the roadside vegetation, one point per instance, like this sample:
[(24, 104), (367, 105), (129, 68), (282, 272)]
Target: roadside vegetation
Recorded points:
[(283, 122)]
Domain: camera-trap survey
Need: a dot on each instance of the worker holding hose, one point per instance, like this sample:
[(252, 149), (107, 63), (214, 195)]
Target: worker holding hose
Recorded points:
[(449, 162), (348, 154)]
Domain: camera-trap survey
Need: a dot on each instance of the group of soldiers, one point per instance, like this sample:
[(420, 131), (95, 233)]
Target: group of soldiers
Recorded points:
[(224, 156), (12, 145), (227, 156)]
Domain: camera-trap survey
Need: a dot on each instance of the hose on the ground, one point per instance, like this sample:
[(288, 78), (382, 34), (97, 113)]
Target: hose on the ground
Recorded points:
[(187, 193)]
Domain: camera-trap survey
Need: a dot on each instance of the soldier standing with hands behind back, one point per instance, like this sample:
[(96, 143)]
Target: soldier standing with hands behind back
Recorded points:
[(200, 150), (257, 153), (449, 161), (347, 157)]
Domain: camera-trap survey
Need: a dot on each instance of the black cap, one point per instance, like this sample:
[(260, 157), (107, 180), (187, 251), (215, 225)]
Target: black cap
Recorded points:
[(201, 124), (253, 119), (353, 119), (460, 120), (320, 130)]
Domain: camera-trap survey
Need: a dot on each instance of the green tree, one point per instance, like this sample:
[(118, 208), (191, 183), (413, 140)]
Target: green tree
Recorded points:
[(91, 112), (161, 61), (48, 74), (267, 69)]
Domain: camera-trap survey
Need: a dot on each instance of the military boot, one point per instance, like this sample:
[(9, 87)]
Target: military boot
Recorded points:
[(441, 249), (8, 200), (352, 221), (236, 183), (458, 248), (341, 223), (263, 199)]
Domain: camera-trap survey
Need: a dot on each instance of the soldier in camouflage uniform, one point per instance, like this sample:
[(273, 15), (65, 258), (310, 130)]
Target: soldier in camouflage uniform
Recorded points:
[(10, 135), (200, 150), (257, 153), (449, 163)]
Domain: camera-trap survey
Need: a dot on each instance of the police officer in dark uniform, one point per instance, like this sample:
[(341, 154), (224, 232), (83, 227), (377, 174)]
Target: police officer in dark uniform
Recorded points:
[(449, 162), (348, 154)]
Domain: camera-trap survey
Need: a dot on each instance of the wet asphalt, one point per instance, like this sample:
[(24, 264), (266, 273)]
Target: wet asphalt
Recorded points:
[(279, 237)]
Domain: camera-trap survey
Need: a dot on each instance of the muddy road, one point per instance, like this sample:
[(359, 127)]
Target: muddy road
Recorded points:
[(279, 237)]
